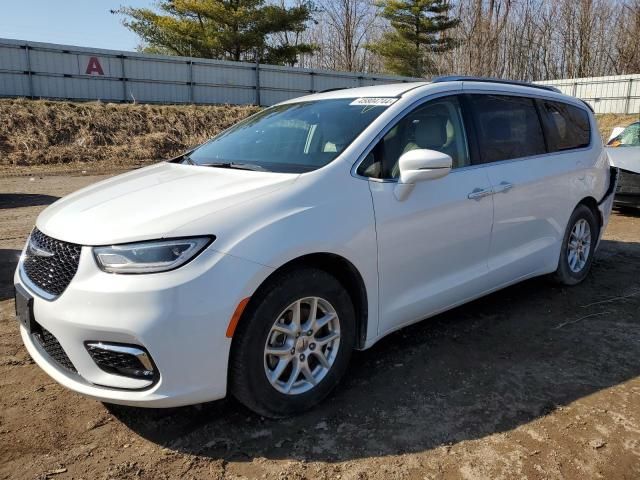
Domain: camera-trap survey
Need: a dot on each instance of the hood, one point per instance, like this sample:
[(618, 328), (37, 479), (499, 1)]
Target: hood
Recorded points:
[(625, 158), (152, 202)]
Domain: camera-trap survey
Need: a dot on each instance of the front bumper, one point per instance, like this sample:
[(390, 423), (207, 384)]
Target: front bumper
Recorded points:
[(180, 317), (628, 190)]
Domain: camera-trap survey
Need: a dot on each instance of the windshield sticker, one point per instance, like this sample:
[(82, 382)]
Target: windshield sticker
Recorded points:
[(374, 101)]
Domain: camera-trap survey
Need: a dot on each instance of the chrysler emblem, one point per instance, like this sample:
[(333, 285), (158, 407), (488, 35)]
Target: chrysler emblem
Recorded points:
[(36, 250)]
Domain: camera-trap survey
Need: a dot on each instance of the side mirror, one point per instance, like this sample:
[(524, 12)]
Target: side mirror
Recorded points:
[(616, 131), (419, 165)]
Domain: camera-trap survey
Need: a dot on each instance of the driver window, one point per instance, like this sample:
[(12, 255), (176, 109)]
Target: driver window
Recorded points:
[(436, 125)]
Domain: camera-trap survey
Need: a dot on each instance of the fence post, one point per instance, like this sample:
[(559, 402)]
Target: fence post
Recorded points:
[(124, 79), (312, 82), (30, 76), (575, 89), (627, 107), (191, 86), (257, 81)]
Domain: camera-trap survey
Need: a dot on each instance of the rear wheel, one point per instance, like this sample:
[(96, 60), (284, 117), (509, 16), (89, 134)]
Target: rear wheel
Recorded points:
[(578, 247), (293, 344)]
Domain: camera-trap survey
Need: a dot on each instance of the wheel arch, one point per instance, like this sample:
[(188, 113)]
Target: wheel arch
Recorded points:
[(592, 204), (340, 268)]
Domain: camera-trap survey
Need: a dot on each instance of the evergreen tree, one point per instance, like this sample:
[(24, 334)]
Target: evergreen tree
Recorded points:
[(223, 29), (419, 31)]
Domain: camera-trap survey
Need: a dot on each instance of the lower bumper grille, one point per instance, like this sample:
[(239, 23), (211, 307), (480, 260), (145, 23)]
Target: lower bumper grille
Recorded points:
[(121, 359), (628, 183), (52, 347)]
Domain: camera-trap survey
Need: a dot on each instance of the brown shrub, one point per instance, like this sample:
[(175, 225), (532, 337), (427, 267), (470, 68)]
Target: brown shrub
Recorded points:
[(35, 133)]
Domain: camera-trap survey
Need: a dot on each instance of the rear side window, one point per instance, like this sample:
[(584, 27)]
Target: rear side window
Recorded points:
[(508, 127), (568, 126)]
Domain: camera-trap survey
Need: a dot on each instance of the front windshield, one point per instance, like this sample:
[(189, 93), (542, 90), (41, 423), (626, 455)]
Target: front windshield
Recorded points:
[(629, 137), (294, 137)]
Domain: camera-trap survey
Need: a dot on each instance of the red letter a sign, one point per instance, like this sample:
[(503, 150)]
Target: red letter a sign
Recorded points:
[(94, 67)]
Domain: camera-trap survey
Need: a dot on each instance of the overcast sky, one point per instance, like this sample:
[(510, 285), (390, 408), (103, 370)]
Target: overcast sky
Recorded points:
[(86, 23)]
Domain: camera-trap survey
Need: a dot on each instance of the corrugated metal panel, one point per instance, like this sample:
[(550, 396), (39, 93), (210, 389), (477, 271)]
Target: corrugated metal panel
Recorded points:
[(610, 94), (13, 58), (156, 92), (79, 73), (14, 85), (77, 88), (223, 75)]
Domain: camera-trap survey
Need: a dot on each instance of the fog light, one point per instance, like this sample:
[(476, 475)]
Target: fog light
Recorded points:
[(119, 359)]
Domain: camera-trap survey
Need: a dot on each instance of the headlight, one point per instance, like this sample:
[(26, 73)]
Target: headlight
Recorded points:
[(149, 257)]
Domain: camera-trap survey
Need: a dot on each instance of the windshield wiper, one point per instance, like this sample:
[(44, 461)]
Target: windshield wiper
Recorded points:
[(236, 165), (187, 159)]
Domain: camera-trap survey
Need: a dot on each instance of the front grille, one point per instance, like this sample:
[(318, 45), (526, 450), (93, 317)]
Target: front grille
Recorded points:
[(51, 273), (50, 344)]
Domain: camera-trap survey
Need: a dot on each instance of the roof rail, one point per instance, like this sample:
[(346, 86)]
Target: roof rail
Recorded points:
[(466, 78), (333, 89)]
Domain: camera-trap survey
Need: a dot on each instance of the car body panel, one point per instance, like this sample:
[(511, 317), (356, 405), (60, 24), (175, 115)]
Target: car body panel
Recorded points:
[(625, 158), (150, 202), (432, 246)]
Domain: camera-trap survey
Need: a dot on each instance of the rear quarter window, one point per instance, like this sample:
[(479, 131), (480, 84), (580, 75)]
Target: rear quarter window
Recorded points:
[(567, 126)]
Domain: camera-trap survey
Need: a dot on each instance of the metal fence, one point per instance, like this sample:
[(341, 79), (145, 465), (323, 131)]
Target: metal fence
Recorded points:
[(44, 70), (614, 94)]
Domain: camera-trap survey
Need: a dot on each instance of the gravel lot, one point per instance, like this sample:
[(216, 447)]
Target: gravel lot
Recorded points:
[(535, 381)]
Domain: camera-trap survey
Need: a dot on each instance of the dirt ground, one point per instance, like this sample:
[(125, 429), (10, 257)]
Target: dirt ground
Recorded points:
[(536, 381)]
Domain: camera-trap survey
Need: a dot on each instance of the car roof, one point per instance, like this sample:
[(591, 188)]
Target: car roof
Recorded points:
[(418, 88), (387, 90)]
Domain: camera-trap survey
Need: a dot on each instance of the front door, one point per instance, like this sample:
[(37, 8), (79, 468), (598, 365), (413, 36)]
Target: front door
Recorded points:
[(433, 244)]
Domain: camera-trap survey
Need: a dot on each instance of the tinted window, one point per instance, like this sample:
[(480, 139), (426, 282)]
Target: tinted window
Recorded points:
[(295, 137), (436, 125), (508, 127), (630, 137), (568, 127)]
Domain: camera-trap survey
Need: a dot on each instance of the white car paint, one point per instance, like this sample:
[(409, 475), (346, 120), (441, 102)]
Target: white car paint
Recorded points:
[(419, 255)]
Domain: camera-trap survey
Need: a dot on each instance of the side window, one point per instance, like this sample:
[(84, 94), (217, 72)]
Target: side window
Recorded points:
[(436, 125), (508, 127), (568, 126)]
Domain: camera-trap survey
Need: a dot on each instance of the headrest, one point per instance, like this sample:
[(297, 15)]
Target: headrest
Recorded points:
[(430, 131)]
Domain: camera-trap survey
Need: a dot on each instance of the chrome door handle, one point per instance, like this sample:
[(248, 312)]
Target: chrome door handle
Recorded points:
[(503, 187), (479, 193)]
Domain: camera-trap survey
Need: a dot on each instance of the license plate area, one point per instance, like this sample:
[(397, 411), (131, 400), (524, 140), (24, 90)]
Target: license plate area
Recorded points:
[(24, 307)]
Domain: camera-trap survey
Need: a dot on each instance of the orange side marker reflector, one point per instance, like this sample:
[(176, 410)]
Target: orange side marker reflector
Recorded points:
[(236, 317)]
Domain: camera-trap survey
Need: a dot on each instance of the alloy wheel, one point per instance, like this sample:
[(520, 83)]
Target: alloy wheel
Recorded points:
[(302, 345), (579, 245)]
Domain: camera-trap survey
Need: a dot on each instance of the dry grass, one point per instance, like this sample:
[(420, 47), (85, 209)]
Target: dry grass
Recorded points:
[(38, 136), (47, 136), (607, 122)]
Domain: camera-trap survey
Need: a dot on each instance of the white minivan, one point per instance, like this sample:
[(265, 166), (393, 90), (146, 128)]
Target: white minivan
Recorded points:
[(255, 263)]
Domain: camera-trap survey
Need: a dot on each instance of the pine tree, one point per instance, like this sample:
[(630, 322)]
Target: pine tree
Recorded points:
[(223, 29), (419, 31)]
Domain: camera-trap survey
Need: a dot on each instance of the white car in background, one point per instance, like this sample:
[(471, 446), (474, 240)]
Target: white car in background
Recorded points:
[(257, 262), (623, 149)]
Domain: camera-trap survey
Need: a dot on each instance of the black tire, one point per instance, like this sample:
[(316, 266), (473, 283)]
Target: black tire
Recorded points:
[(564, 275), (247, 378)]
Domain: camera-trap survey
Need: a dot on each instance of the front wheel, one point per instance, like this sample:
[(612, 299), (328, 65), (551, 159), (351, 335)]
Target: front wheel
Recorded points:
[(578, 247), (293, 344)]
